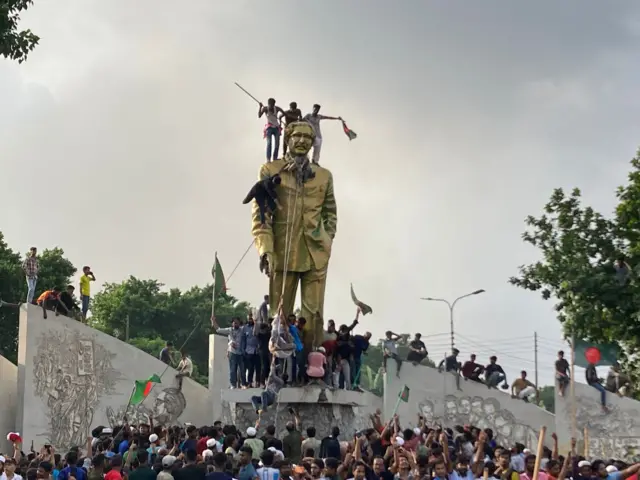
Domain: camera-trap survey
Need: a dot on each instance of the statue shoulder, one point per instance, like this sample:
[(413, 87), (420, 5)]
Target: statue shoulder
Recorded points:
[(271, 168)]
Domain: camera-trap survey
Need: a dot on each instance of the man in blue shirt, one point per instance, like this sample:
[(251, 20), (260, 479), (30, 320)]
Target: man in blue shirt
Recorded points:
[(123, 447), (72, 470)]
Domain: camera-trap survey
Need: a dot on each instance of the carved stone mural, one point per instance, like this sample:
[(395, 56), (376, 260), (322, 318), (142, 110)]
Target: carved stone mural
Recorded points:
[(166, 407), (322, 416), (70, 373), (482, 413), (615, 434)]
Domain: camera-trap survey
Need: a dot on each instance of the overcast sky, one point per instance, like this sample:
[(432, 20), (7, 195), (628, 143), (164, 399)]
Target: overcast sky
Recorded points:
[(125, 142)]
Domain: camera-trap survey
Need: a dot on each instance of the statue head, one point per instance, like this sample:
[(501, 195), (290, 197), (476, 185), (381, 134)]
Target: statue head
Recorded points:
[(300, 137)]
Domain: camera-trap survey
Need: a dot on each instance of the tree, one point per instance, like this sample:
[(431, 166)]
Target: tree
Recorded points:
[(578, 247), (547, 398), (55, 270), (371, 372), (155, 316), (15, 44)]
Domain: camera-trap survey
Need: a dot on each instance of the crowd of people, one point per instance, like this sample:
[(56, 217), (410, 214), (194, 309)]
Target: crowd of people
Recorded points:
[(385, 451)]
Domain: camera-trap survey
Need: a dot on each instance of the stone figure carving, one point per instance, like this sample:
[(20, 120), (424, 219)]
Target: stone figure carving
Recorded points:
[(165, 408), (481, 413), (71, 373), (295, 244)]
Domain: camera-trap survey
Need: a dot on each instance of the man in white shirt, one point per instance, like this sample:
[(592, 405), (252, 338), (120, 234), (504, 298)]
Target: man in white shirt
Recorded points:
[(185, 369), (314, 119)]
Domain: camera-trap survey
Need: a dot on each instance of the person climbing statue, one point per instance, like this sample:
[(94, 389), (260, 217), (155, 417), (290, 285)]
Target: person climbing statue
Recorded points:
[(314, 119), (272, 128), (298, 255), (292, 115)]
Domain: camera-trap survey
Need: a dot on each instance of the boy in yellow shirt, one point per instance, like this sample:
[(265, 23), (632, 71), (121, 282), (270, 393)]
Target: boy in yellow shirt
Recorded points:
[(85, 290)]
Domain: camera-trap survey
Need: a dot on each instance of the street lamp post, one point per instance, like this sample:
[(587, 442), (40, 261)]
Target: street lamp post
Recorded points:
[(451, 306)]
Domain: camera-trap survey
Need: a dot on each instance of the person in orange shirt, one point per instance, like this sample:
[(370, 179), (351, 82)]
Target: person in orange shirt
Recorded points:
[(49, 300)]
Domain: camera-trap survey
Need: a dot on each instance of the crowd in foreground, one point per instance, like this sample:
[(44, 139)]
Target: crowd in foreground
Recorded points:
[(385, 451)]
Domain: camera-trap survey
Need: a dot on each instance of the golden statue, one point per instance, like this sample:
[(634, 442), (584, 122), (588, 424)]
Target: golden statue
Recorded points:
[(295, 243)]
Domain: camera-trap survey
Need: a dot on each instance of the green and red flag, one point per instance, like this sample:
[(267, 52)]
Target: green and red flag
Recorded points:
[(598, 353), (404, 394), (348, 132), (143, 389), (219, 283)]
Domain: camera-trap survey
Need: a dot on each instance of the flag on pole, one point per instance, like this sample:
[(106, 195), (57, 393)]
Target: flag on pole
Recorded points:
[(349, 133), (404, 394), (142, 389), (219, 283), (363, 306), (597, 353)]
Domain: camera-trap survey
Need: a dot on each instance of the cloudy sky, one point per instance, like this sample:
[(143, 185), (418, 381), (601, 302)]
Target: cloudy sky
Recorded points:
[(126, 143)]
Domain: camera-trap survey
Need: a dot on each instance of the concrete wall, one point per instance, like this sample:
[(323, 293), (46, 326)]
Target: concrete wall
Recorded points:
[(435, 396), (615, 434), (8, 400), (72, 378), (346, 409)]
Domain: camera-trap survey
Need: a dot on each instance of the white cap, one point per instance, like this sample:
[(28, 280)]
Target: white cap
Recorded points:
[(251, 432), (211, 442), (168, 460), (584, 463), (107, 430), (207, 453), (611, 469), (526, 451), (543, 463), (87, 464), (2, 459), (400, 441), (322, 350), (417, 431)]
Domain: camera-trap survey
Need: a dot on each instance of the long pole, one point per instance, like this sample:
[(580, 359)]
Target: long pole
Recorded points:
[(535, 359), (241, 88), (574, 421), (126, 334), (215, 262), (451, 326)]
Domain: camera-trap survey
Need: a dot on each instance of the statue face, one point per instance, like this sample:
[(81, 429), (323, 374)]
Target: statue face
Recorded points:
[(301, 139)]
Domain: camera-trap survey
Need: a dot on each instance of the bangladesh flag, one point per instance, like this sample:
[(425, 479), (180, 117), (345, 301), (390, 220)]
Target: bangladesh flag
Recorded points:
[(404, 394), (597, 353), (349, 133), (143, 388), (219, 283)]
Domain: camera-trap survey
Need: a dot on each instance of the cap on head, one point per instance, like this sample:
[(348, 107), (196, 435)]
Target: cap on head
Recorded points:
[(168, 460), (251, 432)]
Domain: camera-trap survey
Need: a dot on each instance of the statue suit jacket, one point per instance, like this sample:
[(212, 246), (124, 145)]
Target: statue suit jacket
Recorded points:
[(312, 219)]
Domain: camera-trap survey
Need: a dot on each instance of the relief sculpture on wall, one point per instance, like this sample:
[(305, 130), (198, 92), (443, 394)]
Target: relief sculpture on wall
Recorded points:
[(70, 374), (482, 413), (164, 406)]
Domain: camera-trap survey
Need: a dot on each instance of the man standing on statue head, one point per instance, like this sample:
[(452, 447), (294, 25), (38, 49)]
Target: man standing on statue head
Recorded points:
[(314, 118), (272, 128)]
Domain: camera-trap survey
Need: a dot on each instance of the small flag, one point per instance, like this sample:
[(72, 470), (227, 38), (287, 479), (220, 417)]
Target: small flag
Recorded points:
[(599, 354), (363, 306), (143, 388), (404, 394), (219, 283), (349, 133)]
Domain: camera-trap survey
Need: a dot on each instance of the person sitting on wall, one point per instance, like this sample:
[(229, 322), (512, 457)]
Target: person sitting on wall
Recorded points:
[(390, 350), (185, 368), (452, 365), (522, 388), (617, 382), (594, 381), (417, 350), (494, 374), (50, 300), (472, 370), (69, 302)]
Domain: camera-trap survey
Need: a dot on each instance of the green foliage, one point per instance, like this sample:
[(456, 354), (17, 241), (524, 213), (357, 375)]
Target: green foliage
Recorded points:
[(156, 316), (15, 44), (55, 270), (547, 398), (371, 377), (578, 248)]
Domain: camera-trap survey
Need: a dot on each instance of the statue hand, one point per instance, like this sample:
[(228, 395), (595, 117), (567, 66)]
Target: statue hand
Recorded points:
[(266, 262)]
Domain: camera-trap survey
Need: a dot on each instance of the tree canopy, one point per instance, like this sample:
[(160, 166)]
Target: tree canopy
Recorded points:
[(15, 44), (579, 248), (55, 271)]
